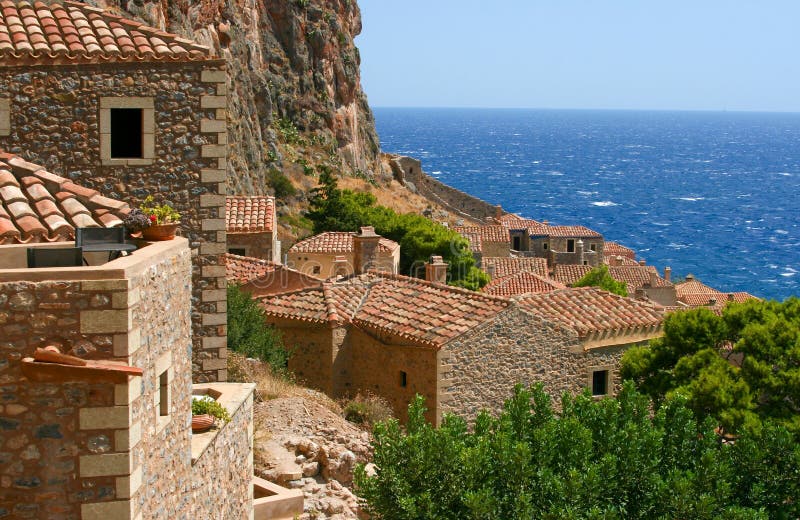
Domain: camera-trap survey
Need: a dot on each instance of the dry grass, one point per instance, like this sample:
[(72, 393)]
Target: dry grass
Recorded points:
[(270, 385), (366, 410)]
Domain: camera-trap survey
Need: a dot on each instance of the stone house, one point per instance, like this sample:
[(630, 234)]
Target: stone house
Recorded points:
[(129, 111), (92, 432), (250, 223), (463, 351), (341, 253), (262, 277), (493, 240), (642, 281)]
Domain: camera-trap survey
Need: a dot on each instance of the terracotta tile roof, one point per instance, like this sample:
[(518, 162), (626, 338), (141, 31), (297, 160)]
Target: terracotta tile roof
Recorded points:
[(521, 283), (623, 260), (568, 274), (637, 276), (242, 269), (249, 214), (420, 312), (506, 266), (512, 221), (475, 243), (73, 32), (337, 242), (486, 233), (565, 232), (741, 297), (693, 286), (617, 249), (38, 206), (591, 311)]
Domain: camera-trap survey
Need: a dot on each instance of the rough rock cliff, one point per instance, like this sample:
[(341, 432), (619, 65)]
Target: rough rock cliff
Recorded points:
[(294, 70)]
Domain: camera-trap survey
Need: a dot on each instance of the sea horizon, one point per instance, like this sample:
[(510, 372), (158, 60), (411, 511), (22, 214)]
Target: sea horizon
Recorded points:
[(708, 193)]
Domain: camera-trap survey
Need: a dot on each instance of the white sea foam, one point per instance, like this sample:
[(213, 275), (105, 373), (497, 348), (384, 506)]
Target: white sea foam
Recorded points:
[(691, 199), (604, 203)]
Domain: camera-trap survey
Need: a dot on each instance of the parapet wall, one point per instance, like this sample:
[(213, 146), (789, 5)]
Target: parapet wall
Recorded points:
[(409, 170)]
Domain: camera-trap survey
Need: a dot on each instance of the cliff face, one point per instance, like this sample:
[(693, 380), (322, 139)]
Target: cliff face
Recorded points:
[(294, 71)]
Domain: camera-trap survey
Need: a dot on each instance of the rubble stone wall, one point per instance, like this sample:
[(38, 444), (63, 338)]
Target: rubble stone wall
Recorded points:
[(479, 370), (256, 245), (55, 121)]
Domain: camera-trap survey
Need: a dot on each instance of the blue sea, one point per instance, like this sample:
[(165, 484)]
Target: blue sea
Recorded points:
[(714, 194)]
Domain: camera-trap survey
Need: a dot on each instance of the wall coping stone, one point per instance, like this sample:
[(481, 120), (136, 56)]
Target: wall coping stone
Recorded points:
[(232, 396)]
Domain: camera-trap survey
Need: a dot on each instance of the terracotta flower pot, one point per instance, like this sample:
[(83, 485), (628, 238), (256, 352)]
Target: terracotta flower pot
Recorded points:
[(160, 231), (201, 423)]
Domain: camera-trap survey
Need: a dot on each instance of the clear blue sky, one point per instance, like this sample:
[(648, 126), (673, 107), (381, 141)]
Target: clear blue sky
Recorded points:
[(629, 54)]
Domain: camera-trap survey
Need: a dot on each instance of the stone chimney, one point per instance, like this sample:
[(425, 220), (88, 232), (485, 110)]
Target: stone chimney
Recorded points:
[(436, 270), (653, 278), (667, 273), (642, 262), (498, 212), (341, 266), (579, 250), (730, 297), (490, 270), (365, 249), (689, 277), (712, 301)]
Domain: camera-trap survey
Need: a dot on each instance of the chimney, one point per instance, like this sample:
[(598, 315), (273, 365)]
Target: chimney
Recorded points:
[(579, 250), (689, 277), (653, 278), (639, 294), (667, 273), (642, 262), (544, 222), (365, 249), (490, 270), (498, 212), (615, 261), (730, 297), (712, 301), (340, 266), (436, 270)]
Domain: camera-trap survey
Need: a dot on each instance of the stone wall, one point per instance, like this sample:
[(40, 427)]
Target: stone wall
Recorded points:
[(408, 170), (106, 444), (378, 366), (222, 472), (256, 245), (479, 370), (312, 348), (55, 122)]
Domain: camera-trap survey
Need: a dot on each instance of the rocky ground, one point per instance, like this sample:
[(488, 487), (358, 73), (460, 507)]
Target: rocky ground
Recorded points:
[(301, 443)]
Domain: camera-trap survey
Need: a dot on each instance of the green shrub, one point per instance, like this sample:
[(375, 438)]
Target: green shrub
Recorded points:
[(281, 184), (600, 277), (211, 407), (249, 334)]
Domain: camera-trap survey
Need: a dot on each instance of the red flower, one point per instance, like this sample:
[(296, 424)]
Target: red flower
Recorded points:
[(153, 219)]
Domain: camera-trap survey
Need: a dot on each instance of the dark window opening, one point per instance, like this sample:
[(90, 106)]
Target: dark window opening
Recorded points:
[(600, 382), (126, 133), (517, 243), (570, 245), (544, 246), (585, 262), (163, 394), (316, 269), (403, 379), (236, 251), (593, 247)]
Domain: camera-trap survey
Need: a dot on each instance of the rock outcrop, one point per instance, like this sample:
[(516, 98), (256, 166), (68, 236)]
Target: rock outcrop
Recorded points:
[(292, 65)]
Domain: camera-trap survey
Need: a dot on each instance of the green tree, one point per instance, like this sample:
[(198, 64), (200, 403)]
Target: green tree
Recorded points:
[(610, 459), (600, 277), (740, 368), (248, 332)]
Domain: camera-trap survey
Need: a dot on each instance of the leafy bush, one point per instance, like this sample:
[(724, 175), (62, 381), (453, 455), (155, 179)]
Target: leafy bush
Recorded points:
[(248, 332), (136, 221), (692, 359), (367, 409), (280, 183), (609, 459), (600, 277), (207, 405), (287, 130), (159, 213)]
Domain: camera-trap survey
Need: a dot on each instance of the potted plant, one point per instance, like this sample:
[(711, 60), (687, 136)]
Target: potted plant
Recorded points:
[(205, 410), (164, 220)]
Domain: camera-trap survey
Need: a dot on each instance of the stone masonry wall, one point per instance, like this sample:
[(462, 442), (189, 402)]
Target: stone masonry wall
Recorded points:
[(105, 445), (55, 122), (222, 477), (256, 245), (479, 370), (409, 170)]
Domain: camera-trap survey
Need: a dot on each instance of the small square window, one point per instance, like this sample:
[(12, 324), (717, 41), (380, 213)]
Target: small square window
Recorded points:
[(571, 245), (316, 269), (126, 133), (403, 379), (600, 382), (593, 247)]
